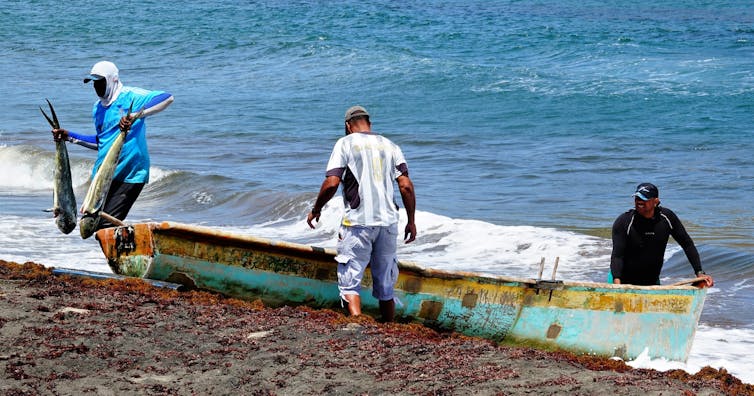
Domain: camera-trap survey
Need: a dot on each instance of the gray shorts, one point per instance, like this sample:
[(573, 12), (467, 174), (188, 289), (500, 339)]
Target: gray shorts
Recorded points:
[(359, 246)]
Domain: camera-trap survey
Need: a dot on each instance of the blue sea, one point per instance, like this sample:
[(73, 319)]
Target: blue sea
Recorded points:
[(526, 126)]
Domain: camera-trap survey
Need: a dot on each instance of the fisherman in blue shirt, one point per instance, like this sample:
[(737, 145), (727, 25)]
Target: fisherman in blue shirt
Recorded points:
[(110, 115)]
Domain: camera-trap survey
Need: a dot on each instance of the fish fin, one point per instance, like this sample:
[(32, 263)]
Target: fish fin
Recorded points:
[(54, 116), (51, 122)]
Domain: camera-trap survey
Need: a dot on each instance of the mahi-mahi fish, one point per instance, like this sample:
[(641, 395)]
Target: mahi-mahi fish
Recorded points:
[(63, 198), (91, 209)]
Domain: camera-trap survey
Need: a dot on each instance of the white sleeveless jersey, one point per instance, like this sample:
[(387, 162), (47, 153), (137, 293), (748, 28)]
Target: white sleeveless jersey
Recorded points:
[(371, 163)]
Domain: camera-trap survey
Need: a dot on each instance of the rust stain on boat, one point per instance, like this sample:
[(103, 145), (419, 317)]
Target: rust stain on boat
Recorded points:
[(430, 310), (553, 331)]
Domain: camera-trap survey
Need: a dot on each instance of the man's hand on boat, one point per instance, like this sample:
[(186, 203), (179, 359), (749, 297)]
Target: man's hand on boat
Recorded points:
[(704, 280)]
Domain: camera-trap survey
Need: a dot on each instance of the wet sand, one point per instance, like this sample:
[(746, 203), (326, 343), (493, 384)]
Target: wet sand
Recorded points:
[(68, 335)]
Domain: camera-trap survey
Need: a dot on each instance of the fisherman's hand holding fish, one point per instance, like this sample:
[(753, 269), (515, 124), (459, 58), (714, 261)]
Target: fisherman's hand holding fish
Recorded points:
[(59, 135), (125, 122)]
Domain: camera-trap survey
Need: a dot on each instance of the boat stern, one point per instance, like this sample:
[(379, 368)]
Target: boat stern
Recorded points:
[(129, 249)]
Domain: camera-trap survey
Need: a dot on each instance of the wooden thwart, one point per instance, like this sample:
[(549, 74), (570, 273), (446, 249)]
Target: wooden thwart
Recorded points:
[(111, 219), (688, 281)]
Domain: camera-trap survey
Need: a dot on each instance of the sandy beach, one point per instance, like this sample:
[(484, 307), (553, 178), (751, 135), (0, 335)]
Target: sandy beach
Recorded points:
[(62, 335)]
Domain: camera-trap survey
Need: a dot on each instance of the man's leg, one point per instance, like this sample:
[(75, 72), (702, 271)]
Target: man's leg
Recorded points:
[(387, 310), (384, 265), (120, 199), (354, 246), (353, 302)]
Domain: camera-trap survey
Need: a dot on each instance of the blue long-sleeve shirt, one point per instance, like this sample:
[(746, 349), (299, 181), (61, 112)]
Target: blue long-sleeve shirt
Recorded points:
[(133, 163)]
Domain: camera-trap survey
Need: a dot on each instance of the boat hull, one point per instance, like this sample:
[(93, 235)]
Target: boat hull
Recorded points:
[(594, 318)]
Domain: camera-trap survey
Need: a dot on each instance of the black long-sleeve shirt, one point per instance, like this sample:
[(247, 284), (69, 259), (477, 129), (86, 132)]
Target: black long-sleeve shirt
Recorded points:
[(639, 246)]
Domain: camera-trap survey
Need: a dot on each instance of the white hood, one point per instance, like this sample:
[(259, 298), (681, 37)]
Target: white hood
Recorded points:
[(109, 71)]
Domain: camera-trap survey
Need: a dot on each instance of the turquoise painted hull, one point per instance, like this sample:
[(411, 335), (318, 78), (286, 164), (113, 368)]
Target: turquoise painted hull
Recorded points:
[(594, 318)]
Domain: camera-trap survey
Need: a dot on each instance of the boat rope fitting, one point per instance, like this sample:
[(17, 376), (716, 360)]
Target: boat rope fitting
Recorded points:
[(124, 239)]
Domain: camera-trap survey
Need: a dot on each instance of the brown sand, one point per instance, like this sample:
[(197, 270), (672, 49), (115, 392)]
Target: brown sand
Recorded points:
[(64, 335)]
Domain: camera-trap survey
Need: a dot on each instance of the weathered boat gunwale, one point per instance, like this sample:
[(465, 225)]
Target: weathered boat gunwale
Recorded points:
[(491, 306), (210, 235)]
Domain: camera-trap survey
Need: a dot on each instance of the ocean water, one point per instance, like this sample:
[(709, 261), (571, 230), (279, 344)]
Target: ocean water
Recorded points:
[(526, 126)]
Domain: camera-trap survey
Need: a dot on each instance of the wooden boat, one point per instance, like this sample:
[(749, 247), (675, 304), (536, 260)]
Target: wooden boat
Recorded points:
[(591, 318)]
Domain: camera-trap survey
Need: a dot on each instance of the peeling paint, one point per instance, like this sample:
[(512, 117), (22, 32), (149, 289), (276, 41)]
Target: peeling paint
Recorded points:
[(469, 300), (430, 310), (553, 331)]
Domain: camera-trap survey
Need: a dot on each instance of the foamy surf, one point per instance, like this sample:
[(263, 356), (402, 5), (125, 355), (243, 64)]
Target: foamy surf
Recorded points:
[(714, 347), (29, 169), (466, 244)]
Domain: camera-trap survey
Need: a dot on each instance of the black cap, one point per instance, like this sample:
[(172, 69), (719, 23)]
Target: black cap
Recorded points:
[(646, 191)]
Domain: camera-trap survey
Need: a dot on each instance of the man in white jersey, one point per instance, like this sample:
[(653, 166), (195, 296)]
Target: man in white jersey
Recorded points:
[(367, 164)]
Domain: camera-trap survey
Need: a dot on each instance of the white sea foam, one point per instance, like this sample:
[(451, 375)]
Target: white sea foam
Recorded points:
[(155, 174), (714, 347), (26, 169), (473, 245), (467, 245), (38, 240), (444, 243)]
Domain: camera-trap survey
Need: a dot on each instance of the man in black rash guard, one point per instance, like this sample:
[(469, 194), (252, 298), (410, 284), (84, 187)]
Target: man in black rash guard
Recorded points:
[(640, 237)]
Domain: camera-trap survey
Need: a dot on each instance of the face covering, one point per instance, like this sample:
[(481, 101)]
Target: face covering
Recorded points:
[(100, 87), (107, 85), (112, 89)]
